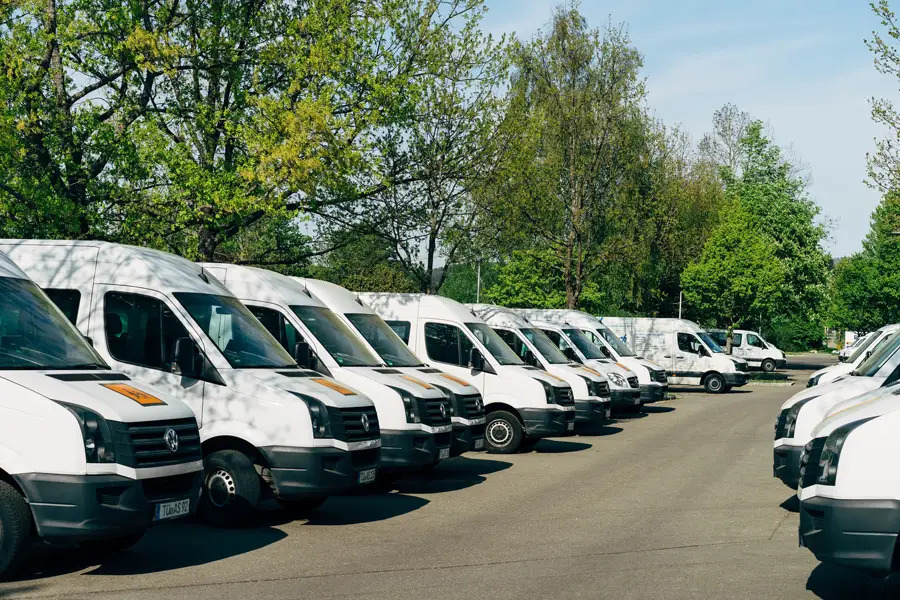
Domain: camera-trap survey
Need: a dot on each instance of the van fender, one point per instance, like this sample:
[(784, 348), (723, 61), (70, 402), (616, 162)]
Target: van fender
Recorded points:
[(235, 429), (502, 402), (13, 463)]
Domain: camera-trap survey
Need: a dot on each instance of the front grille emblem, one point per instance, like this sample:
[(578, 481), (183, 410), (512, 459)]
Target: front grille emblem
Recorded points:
[(365, 422), (443, 411), (171, 439), (479, 405)]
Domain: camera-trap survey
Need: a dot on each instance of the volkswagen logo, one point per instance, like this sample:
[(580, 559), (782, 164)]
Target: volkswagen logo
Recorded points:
[(443, 411), (479, 404), (365, 422), (171, 440)]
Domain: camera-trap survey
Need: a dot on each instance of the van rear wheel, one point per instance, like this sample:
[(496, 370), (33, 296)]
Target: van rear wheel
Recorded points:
[(768, 365), (15, 529), (231, 489), (503, 433), (714, 384)]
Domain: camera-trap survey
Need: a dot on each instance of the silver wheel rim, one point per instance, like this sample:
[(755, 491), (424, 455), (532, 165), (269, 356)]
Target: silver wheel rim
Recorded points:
[(220, 488), (715, 385), (500, 433)]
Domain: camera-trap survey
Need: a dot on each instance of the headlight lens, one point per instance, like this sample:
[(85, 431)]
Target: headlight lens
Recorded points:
[(831, 452), (548, 391), (410, 405), (318, 416), (813, 381), (790, 422), (98, 444), (617, 379)]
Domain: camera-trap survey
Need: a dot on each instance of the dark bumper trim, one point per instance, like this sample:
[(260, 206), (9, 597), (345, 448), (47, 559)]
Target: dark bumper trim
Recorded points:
[(625, 398), (786, 465), (464, 438), (98, 507), (591, 413), (541, 422), (653, 393), (861, 534), (736, 379), (781, 363), (410, 449), (307, 472)]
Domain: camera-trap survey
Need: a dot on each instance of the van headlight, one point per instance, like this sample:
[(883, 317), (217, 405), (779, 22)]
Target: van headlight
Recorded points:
[(790, 422), (410, 405), (98, 444), (318, 416), (831, 452), (593, 387), (548, 391), (617, 379)]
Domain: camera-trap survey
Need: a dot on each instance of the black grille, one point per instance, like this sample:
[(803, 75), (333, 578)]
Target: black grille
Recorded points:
[(470, 406), (740, 366), (430, 371), (348, 424), (443, 440), (781, 424), (176, 486), (564, 396), (660, 376), (601, 389), (633, 382), (143, 445), (809, 466), (430, 411), (817, 517)]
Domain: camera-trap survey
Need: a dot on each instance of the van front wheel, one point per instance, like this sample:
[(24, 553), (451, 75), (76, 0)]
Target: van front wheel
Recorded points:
[(231, 488), (503, 433), (15, 529), (768, 365), (714, 384)]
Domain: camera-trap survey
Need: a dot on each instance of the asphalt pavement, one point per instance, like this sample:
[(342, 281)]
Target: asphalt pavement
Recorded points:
[(678, 502)]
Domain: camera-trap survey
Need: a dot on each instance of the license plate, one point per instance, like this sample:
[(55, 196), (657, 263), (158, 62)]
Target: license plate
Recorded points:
[(479, 444), (367, 476), (570, 426), (444, 453), (608, 413), (172, 510), (637, 401)]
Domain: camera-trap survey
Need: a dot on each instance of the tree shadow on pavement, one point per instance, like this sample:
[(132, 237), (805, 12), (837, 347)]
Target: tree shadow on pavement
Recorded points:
[(833, 582)]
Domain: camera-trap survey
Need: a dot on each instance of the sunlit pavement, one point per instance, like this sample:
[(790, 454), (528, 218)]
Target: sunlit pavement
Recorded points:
[(676, 503)]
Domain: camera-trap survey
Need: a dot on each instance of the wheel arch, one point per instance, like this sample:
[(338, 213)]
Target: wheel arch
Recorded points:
[(230, 442), (495, 406)]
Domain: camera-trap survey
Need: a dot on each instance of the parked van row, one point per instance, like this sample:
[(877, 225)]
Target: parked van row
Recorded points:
[(834, 444)]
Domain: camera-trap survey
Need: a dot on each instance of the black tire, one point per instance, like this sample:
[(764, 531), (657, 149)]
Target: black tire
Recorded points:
[(769, 365), (728, 388), (714, 384), (231, 489), (503, 433), (303, 507), (15, 529), (113, 546)]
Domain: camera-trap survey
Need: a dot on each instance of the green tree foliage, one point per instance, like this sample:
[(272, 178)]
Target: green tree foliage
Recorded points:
[(884, 164), (362, 263)]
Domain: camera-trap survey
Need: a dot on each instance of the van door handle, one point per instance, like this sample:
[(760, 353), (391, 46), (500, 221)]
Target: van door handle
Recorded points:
[(667, 356), (680, 356)]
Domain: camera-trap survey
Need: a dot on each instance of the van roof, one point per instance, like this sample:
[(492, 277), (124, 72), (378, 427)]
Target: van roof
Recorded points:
[(339, 299), (560, 316), (54, 263), (408, 307), (261, 285), (498, 316), (658, 324), (9, 269)]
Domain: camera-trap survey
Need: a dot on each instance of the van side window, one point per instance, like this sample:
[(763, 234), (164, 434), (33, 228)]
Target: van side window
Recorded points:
[(401, 328), (513, 341), (753, 340), (447, 344), (67, 301), (278, 325), (688, 342), (737, 340), (141, 330)]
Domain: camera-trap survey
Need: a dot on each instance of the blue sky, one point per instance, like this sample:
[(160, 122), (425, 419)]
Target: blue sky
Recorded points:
[(801, 66)]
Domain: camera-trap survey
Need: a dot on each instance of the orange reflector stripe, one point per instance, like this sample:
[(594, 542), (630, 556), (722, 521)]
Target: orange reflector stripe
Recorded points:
[(334, 386), (454, 379), (142, 398), (593, 372), (554, 377), (412, 379)]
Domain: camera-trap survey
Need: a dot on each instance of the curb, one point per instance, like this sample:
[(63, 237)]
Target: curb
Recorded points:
[(772, 383)]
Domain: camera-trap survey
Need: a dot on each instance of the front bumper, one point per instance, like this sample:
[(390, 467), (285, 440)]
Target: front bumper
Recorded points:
[(625, 398), (653, 393), (403, 449), (69, 508), (541, 422), (781, 363), (467, 438), (786, 465), (592, 412), (738, 379), (319, 471), (855, 533)]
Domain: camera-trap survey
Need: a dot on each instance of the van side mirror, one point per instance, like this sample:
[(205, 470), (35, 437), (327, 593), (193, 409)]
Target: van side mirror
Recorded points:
[(530, 359), (184, 358), (303, 354), (571, 354), (476, 359), (703, 351), (606, 352)]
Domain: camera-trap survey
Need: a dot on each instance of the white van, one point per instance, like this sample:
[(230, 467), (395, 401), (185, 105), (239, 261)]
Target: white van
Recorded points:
[(850, 348), (267, 427), (806, 409), (850, 489), (751, 346), (624, 387), (653, 380), (865, 349), (86, 454), (689, 354), (591, 389), (523, 403), (466, 404), (414, 417)]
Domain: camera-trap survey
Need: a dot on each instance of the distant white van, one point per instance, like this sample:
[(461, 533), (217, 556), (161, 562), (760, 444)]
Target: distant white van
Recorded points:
[(591, 389), (466, 403), (414, 416), (523, 403), (652, 377), (689, 354), (863, 351), (751, 346), (267, 427)]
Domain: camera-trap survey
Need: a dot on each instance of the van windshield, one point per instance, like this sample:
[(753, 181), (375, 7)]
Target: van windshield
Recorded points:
[(621, 348), (883, 352), (545, 346), (238, 335), (34, 334), (711, 343), (387, 344), (338, 339), (860, 352), (584, 345), (499, 349)]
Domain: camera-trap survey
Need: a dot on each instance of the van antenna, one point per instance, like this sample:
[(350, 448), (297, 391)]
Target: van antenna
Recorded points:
[(358, 300), (203, 275)]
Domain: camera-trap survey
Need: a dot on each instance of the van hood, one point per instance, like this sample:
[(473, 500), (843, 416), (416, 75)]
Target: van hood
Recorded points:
[(264, 383), (814, 411), (112, 395), (817, 390), (873, 404), (833, 372), (438, 378), (585, 371), (407, 380)]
